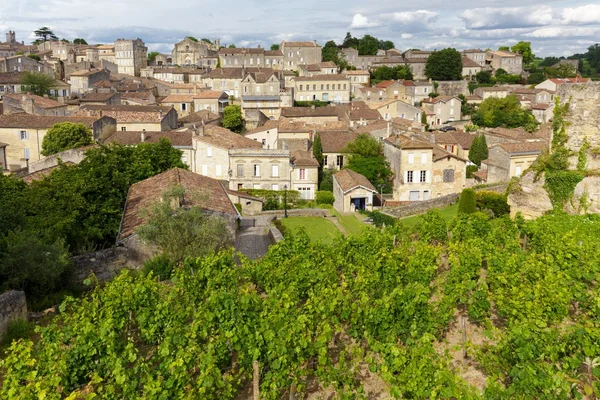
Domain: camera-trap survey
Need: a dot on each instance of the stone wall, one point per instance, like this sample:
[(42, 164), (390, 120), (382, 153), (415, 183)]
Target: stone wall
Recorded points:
[(75, 156), (104, 264), (275, 235), (452, 88), (529, 197), (304, 212), (421, 207), (583, 116), (13, 306)]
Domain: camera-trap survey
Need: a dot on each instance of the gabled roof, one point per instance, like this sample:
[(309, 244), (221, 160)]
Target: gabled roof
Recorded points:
[(443, 99), (178, 138), (11, 77), (39, 101), (524, 147), (199, 116), (300, 44), (412, 142), (348, 180), (304, 112), (93, 97), (335, 142), (386, 84), (127, 114), (270, 124), (200, 191), (467, 62), (325, 77), (226, 139), (303, 158), (28, 121), (561, 81), (541, 106), (85, 72)]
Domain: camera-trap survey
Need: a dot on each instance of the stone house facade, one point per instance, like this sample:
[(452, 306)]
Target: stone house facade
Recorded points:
[(391, 109), (32, 104), (83, 81), (20, 63), (135, 118), (352, 192), (508, 160), (333, 88), (442, 109), (190, 52), (131, 56), (506, 60), (357, 79), (298, 53), (476, 55), (251, 57), (498, 92)]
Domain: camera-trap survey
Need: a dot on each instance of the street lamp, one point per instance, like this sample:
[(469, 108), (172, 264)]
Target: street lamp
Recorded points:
[(285, 201)]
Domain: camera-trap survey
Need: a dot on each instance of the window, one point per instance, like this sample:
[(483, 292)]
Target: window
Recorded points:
[(448, 175), (423, 176), (205, 170), (339, 162), (423, 158), (413, 195), (183, 106), (123, 128), (184, 158), (409, 176), (275, 171), (411, 158), (26, 153), (264, 141), (302, 174), (219, 171), (240, 170), (23, 135), (304, 193), (325, 163), (300, 87), (425, 90), (426, 195), (314, 87), (275, 186), (256, 170), (518, 170), (209, 151)]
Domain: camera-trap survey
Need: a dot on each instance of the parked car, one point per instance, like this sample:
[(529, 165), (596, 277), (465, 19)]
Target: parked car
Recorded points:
[(447, 128)]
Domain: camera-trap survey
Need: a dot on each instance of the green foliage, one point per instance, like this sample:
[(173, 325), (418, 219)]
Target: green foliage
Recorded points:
[(593, 57), (324, 197), (327, 180), (238, 207), (444, 65), (64, 136), (494, 202), (274, 198), (206, 40), (466, 204), (478, 150), (231, 46), (37, 83), (559, 125), (152, 56), (331, 52), (484, 77), (424, 120), (561, 71), (433, 227), (34, 57), (317, 150), (549, 61), (470, 170), (193, 39), (232, 118), (315, 103), (471, 128), (17, 329), (275, 47), (44, 34), (524, 49), (507, 113), (380, 219), (368, 46), (536, 77), (560, 186), (365, 156), (79, 41), (391, 73), (582, 154), (508, 78), (161, 266)]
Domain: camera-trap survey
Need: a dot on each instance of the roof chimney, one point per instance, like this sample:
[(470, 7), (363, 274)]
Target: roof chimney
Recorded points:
[(143, 136), (160, 115), (389, 128)]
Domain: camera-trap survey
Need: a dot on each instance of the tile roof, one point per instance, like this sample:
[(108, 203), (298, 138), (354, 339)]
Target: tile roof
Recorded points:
[(560, 81), (502, 53), (301, 112), (467, 62), (39, 101), (125, 114), (288, 125), (371, 126), (325, 77), (199, 116), (302, 158), (541, 106), (404, 142), (178, 138), (209, 94), (473, 51), (356, 72), (200, 191), (444, 99), (439, 154), (310, 67), (300, 44), (235, 73), (348, 180), (385, 84), (29, 121), (335, 142), (226, 139), (92, 97), (358, 110), (327, 64), (85, 72), (524, 147), (11, 77), (242, 50), (270, 124)]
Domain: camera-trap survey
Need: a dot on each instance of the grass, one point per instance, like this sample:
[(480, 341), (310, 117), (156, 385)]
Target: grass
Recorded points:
[(17, 329), (351, 223), (317, 228), (448, 213)]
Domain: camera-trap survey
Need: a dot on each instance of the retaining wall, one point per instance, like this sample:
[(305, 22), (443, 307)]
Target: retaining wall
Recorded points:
[(303, 212), (13, 306)]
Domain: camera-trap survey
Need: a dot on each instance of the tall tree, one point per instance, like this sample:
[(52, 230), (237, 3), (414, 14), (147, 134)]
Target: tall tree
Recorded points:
[(152, 55), (504, 48), (44, 34), (206, 40), (366, 157), (275, 46), (350, 41), (317, 149), (232, 118), (231, 46), (79, 41), (478, 150), (368, 46), (524, 49), (64, 136), (37, 83), (444, 65), (386, 45), (506, 113), (593, 56)]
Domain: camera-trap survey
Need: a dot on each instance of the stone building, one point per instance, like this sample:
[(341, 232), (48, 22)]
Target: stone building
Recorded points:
[(332, 88), (83, 81), (297, 53), (476, 55), (357, 79), (251, 57), (20, 63), (352, 192), (508, 160), (32, 104), (389, 109), (135, 118), (442, 109), (506, 60), (189, 52), (107, 52), (130, 56)]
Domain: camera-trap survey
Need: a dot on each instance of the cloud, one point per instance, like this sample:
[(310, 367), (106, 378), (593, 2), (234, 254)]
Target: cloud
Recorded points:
[(515, 17), (406, 35), (588, 14), (360, 21), (412, 17), (560, 31)]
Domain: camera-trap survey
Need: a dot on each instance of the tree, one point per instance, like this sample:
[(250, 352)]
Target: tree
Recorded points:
[(507, 113), (206, 40), (231, 46), (524, 49), (64, 136), (350, 41), (536, 77), (467, 203), (478, 150), (483, 77), (366, 157), (561, 71), (79, 41), (424, 120), (501, 71), (444, 65), (549, 61), (232, 118), (368, 46), (386, 45), (317, 149), (34, 57), (385, 73), (44, 34), (275, 47), (37, 83), (593, 56), (503, 48), (184, 232), (193, 39), (152, 55)]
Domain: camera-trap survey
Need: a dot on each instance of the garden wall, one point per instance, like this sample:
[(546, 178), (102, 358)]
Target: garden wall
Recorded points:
[(13, 306), (303, 212)]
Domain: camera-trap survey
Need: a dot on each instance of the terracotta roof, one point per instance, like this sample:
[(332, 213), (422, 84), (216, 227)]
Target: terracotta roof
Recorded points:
[(243, 195), (560, 81), (524, 147), (408, 83), (288, 125), (29, 121), (209, 94), (385, 84), (461, 138), (541, 106), (11, 77), (473, 51), (356, 72), (235, 73), (301, 112), (474, 97), (260, 77), (335, 142), (199, 116), (93, 97), (404, 142), (241, 50), (481, 174), (178, 138), (467, 62), (325, 77), (303, 158), (444, 99), (274, 53), (327, 64), (125, 114), (348, 180), (85, 72), (201, 191), (516, 134), (270, 124), (503, 53), (439, 154), (226, 139), (358, 110), (310, 67), (300, 44), (39, 101)]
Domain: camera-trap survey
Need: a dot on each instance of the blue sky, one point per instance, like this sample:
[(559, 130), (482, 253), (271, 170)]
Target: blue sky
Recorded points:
[(553, 27)]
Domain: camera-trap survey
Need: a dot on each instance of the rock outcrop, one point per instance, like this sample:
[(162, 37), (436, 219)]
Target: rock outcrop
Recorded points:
[(529, 197)]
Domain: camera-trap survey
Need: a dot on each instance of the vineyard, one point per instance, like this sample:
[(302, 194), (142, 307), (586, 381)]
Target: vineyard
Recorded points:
[(370, 316)]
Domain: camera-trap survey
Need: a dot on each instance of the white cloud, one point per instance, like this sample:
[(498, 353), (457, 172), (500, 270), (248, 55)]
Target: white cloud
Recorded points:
[(411, 17), (588, 14), (515, 17), (360, 21), (560, 31), (406, 35)]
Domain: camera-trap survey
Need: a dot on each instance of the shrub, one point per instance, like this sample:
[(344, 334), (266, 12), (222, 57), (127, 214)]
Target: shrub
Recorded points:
[(17, 329), (470, 170), (161, 265), (379, 218), (325, 197), (495, 202), (433, 227), (467, 205), (327, 180)]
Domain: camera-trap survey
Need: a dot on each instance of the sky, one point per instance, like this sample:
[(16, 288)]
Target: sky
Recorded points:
[(557, 28)]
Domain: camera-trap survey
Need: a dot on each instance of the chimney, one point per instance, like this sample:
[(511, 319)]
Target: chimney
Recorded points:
[(201, 129), (389, 128), (143, 136), (160, 115), (432, 138), (28, 106)]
